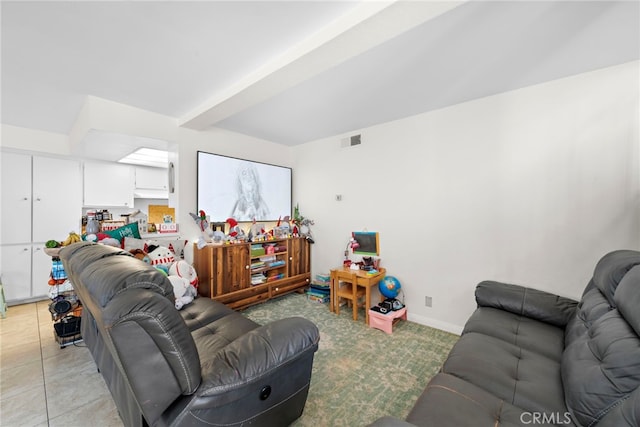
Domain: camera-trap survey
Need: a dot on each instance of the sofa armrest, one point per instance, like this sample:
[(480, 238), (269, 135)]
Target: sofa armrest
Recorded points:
[(532, 303), (390, 422), (258, 353)]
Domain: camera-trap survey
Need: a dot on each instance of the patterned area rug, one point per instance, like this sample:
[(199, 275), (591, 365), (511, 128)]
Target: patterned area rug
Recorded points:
[(360, 373)]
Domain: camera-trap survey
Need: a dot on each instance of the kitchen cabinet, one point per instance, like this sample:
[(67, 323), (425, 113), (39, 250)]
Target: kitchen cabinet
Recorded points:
[(42, 200), (151, 183), (108, 184), (152, 178)]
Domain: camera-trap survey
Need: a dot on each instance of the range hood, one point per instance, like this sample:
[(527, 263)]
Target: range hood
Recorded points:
[(150, 193)]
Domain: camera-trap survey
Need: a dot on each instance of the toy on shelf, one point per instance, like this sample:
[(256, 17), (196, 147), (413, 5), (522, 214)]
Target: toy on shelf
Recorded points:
[(206, 233), (257, 232), (236, 234), (302, 225)]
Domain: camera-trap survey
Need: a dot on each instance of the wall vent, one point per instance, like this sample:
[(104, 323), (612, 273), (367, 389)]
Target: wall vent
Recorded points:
[(351, 141)]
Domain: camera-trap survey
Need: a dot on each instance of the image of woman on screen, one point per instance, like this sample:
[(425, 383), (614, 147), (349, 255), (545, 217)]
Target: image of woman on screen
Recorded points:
[(249, 205)]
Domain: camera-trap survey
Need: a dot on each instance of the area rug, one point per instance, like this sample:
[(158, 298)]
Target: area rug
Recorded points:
[(360, 373)]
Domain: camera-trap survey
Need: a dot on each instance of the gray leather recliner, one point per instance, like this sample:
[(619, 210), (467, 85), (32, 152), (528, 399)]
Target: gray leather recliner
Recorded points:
[(203, 365), (531, 358)]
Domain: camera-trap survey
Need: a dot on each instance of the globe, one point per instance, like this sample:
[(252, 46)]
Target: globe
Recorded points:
[(389, 287)]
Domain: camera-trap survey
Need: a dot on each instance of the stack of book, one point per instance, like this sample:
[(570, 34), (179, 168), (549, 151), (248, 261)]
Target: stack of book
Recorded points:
[(320, 291), (257, 279), (257, 265)]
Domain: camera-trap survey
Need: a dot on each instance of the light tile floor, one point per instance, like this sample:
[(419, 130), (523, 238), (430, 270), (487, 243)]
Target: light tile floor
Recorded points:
[(44, 385)]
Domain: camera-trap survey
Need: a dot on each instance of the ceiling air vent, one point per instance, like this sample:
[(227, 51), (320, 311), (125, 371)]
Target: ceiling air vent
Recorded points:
[(351, 141)]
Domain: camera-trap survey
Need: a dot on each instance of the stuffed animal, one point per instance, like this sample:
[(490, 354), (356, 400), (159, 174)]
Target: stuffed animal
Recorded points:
[(205, 231), (235, 232), (256, 232), (160, 256), (110, 241), (184, 270), (218, 237), (141, 255), (183, 291)]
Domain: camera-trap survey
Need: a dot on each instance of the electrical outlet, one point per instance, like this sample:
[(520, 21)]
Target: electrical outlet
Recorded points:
[(428, 301)]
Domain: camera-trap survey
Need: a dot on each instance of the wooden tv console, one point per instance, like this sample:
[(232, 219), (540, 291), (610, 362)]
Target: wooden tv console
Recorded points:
[(225, 272)]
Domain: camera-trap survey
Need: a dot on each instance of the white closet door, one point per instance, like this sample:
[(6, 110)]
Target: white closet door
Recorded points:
[(15, 217)]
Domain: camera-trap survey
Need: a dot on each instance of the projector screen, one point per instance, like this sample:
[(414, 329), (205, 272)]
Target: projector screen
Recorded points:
[(242, 189)]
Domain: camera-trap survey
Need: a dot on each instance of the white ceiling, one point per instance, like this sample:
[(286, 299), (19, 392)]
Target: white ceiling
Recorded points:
[(294, 71)]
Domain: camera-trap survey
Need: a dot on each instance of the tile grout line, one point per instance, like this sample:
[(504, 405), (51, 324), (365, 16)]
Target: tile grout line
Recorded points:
[(44, 376)]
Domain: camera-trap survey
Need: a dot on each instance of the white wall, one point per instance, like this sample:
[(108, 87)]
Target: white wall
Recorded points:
[(531, 186)]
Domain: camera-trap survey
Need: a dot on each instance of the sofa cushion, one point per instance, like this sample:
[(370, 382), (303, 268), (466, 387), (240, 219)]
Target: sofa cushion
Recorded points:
[(627, 298), (514, 374), (598, 297), (219, 333), (532, 303), (626, 414), (592, 306), (611, 269), (601, 368), (201, 312), (451, 401), (518, 330)]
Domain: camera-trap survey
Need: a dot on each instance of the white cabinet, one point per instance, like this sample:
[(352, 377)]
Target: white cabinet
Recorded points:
[(16, 198), (41, 200), (57, 203), (151, 183), (15, 267), (152, 178), (40, 271), (108, 184), (25, 272)]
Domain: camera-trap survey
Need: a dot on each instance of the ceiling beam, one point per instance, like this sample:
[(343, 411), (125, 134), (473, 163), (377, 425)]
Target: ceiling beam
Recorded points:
[(366, 26)]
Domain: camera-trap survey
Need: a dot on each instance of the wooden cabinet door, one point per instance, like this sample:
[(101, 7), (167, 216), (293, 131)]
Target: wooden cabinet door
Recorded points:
[(16, 198), (299, 256), (232, 268)]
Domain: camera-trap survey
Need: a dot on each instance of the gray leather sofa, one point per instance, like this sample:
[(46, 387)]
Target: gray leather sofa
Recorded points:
[(530, 358), (203, 365)]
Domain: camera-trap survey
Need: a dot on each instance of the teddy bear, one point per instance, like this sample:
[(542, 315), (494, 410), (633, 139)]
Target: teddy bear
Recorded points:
[(185, 270)]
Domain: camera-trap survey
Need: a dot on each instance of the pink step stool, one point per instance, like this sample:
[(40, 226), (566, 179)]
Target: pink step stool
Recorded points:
[(385, 322)]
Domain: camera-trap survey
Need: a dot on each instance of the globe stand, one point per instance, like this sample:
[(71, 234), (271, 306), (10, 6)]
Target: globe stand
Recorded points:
[(391, 304), (390, 288)]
